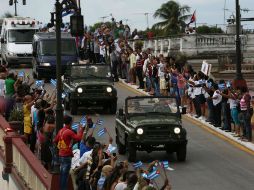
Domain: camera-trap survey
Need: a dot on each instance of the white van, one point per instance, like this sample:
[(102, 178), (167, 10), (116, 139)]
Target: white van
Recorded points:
[(16, 40)]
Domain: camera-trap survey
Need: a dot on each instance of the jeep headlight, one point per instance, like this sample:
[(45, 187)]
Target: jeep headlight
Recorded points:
[(73, 63), (177, 130), (45, 64), (109, 89), (80, 90), (140, 131)]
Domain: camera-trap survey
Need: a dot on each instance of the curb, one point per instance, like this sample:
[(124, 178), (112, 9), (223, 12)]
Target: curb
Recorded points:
[(245, 146)]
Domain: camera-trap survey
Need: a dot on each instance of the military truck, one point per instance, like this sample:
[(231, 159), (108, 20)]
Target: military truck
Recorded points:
[(89, 86), (149, 123)]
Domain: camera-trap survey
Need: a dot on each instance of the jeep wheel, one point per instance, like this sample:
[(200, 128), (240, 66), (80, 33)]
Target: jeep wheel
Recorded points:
[(113, 107), (66, 105), (73, 107), (121, 148), (181, 153), (131, 153)]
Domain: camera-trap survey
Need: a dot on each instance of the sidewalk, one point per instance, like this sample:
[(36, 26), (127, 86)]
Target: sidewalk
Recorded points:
[(246, 146)]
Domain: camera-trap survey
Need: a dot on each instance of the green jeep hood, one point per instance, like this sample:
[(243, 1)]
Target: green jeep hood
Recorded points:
[(136, 121), (91, 82)]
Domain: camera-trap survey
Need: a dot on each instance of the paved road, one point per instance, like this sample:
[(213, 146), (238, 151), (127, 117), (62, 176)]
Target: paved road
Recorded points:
[(212, 163)]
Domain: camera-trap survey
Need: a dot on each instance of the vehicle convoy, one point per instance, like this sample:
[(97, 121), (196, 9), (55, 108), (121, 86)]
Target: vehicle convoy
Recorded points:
[(44, 54), (89, 86), (16, 39), (150, 123)]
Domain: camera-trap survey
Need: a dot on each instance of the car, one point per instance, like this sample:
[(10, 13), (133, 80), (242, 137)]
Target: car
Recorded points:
[(44, 54), (88, 86), (149, 123)]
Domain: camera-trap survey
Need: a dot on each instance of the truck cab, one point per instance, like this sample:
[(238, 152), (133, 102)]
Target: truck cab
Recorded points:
[(16, 40), (44, 54)]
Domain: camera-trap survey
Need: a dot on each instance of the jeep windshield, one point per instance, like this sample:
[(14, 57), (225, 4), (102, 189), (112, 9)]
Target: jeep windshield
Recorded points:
[(151, 105), (92, 72)]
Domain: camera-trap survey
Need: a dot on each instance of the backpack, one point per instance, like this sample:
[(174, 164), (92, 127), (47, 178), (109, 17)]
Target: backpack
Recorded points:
[(61, 144)]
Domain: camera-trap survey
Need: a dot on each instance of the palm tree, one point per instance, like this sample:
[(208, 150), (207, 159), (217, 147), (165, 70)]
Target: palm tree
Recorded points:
[(173, 17)]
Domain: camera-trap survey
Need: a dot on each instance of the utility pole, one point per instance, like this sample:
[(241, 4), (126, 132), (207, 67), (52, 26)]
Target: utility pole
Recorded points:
[(77, 29), (59, 107), (11, 2), (15, 4), (239, 81)]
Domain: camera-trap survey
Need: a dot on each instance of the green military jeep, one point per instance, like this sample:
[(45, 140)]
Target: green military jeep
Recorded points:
[(89, 86), (150, 123)]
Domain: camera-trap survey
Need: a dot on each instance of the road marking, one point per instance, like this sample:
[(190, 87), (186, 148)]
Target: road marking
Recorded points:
[(199, 124), (130, 88), (221, 136)]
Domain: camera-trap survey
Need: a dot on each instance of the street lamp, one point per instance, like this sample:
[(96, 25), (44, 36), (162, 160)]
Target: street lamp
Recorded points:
[(239, 81), (76, 29)]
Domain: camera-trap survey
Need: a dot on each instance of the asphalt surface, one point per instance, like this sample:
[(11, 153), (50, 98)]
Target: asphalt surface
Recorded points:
[(212, 163)]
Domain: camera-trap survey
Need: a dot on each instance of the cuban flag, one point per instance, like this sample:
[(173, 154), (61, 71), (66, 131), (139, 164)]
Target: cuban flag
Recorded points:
[(39, 83), (154, 174), (21, 74), (64, 95), (144, 175), (111, 149), (53, 82), (69, 12), (221, 86), (138, 165), (94, 125), (165, 165), (99, 122), (193, 18), (75, 126), (83, 121), (101, 132)]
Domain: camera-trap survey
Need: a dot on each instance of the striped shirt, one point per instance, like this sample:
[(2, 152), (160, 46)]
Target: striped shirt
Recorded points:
[(243, 103)]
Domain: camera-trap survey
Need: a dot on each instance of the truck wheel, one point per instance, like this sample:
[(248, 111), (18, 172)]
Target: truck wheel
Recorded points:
[(73, 107), (181, 153), (66, 105), (131, 153), (113, 107), (121, 148)]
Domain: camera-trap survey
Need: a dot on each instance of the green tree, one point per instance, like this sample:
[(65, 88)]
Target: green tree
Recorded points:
[(7, 15), (173, 17), (208, 30)]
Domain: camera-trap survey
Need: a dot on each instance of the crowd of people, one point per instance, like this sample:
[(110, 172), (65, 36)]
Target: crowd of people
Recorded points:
[(93, 164), (77, 150), (161, 76)]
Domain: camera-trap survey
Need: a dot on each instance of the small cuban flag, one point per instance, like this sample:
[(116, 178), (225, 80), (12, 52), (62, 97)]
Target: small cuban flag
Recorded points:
[(94, 125), (165, 165), (154, 174), (111, 149), (75, 126), (144, 175), (21, 74), (64, 95), (101, 132), (83, 121), (53, 82), (99, 122), (138, 165), (39, 83)]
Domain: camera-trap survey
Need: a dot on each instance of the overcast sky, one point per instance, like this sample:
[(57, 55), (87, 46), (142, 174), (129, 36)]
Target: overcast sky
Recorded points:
[(207, 11)]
